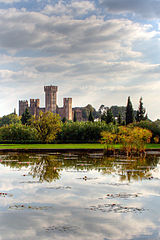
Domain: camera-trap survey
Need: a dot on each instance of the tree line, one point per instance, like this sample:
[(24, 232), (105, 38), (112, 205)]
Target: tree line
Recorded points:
[(48, 127)]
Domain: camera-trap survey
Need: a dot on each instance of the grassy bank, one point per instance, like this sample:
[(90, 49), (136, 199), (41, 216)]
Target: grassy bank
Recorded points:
[(65, 146)]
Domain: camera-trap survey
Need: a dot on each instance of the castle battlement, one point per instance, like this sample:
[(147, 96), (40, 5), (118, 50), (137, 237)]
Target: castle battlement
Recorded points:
[(50, 104), (23, 101), (50, 88)]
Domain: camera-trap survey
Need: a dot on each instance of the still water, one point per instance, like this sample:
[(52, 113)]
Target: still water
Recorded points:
[(79, 197)]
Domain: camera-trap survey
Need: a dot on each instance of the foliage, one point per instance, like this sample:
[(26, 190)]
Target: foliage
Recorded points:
[(156, 139), (133, 138), (116, 110), (91, 118), (108, 138), (18, 133), (64, 120), (102, 109), (26, 117), (154, 127), (109, 116), (141, 111), (86, 112), (47, 125), (83, 132), (129, 112), (9, 119), (103, 117), (119, 120)]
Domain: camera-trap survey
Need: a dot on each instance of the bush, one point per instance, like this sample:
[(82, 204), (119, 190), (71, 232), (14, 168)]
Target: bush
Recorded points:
[(18, 133), (133, 139), (152, 126), (83, 132)]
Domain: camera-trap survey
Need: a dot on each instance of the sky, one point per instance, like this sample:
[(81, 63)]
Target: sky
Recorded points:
[(95, 51)]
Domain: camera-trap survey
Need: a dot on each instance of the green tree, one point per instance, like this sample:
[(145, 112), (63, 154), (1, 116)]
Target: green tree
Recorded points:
[(64, 120), (91, 118), (75, 117), (109, 116), (18, 133), (129, 112), (26, 117), (154, 127), (141, 111), (103, 116), (9, 119), (119, 120), (47, 125)]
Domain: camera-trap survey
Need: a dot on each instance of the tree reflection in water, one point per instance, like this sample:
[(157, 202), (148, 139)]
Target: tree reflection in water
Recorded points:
[(48, 167)]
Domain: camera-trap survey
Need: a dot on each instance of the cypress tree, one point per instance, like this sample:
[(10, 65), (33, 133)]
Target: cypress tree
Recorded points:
[(129, 112), (141, 111), (91, 118)]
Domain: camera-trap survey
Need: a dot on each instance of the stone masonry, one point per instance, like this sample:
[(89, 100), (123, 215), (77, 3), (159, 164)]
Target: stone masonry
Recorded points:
[(50, 104)]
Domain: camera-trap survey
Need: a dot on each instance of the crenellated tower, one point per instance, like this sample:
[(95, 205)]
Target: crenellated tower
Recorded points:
[(34, 106), (23, 104), (50, 104), (51, 98)]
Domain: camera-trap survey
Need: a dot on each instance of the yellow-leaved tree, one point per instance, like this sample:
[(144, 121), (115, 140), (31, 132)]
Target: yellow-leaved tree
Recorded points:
[(108, 138), (47, 124), (134, 139)]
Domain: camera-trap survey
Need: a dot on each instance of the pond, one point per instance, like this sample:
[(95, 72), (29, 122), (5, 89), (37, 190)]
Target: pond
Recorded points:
[(79, 196)]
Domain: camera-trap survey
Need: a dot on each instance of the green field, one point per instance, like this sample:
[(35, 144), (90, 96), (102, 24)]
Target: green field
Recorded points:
[(65, 146)]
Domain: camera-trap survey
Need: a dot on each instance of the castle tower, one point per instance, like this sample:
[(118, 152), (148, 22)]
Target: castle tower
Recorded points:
[(34, 106), (22, 107), (67, 105), (51, 98)]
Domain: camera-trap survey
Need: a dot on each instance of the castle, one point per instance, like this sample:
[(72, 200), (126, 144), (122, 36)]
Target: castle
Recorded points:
[(50, 104)]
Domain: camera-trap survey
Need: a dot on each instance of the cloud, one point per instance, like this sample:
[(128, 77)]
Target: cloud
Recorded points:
[(75, 53), (36, 32), (143, 8), (74, 8), (9, 1)]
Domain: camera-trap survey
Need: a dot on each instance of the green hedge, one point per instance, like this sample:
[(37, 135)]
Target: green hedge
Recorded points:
[(83, 132)]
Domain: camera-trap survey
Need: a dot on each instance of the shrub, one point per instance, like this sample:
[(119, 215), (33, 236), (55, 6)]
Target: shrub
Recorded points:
[(18, 133), (152, 126), (83, 132), (133, 139)]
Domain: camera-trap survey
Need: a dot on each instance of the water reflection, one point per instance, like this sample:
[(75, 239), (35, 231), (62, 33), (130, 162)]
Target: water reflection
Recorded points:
[(71, 196), (48, 167)]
